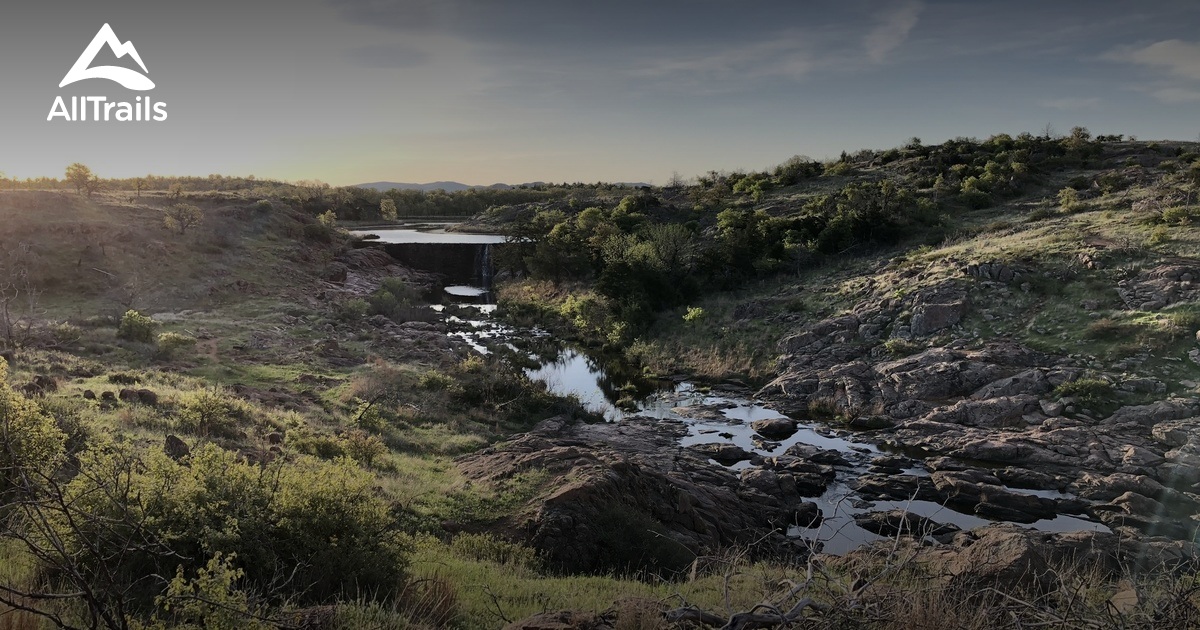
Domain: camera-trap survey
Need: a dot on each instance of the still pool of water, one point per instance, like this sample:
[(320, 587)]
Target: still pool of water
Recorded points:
[(409, 235)]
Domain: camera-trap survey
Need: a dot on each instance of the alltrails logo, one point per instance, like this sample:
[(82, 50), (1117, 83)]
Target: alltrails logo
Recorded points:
[(100, 108)]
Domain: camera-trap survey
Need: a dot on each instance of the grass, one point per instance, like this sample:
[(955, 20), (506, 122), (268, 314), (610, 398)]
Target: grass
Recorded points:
[(228, 282)]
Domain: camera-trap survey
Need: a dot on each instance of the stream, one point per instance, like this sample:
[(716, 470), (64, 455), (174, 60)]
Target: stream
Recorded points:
[(572, 372), (615, 390)]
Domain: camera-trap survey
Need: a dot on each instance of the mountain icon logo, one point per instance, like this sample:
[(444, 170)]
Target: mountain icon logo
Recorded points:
[(128, 78)]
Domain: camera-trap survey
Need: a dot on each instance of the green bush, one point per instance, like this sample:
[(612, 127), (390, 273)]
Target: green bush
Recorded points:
[(317, 527), (65, 333), (1068, 200), (318, 233), (209, 601), (1159, 235), (30, 440), (169, 342), (1177, 215), (351, 310), (212, 412), (136, 327), (363, 447), (1096, 393), (900, 347), (399, 301), (488, 548), (837, 168), (976, 199)]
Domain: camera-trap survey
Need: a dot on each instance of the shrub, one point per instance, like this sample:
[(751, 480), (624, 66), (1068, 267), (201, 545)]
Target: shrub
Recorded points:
[(318, 527), (136, 327), (351, 310), (435, 381), (328, 219), (318, 233), (693, 314), (1176, 215), (976, 199), (364, 447), (169, 342), (211, 411), (1091, 392), (1108, 329), (64, 333), (124, 378), (322, 445), (488, 548), (1068, 200), (837, 168), (1159, 235), (30, 440), (209, 601), (900, 347), (1188, 320), (399, 301)]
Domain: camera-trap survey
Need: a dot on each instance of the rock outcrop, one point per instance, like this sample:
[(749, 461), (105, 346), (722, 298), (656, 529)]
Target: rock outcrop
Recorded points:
[(613, 489)]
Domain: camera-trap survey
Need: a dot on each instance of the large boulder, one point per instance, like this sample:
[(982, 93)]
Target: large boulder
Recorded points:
[(774, 428), (930, 318), (619, 495)]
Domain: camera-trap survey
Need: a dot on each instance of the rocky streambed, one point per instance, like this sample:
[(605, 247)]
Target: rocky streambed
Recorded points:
[(717, 466)]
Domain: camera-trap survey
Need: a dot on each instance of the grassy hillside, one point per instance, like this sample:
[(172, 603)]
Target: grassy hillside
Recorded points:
[(1130, 207), (278, 444)]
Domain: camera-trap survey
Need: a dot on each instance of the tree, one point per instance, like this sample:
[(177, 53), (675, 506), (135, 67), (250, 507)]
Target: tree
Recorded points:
[(387, 209), (84, 180), (18, 296), (181, 217)]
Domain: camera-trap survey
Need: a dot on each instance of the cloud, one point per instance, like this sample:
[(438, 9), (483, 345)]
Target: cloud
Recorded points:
[(1179, 64), (1175, 96), (785, 56), (1072, 103), (388, 56), (892, 31), (1177, 57)]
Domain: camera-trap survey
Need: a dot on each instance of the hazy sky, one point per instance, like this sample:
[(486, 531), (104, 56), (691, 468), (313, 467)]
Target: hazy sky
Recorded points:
[(480, 91)]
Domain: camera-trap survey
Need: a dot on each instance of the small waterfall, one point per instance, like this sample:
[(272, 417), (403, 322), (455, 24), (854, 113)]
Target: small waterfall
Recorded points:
[(485, 268)]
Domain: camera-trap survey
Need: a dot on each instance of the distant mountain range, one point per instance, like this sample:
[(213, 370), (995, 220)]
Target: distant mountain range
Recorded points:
[(446, 186), (456, 186)]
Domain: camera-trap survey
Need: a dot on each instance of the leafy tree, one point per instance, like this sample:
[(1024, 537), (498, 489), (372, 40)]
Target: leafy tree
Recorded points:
[(84, 180), (387, 209), (182, 217)]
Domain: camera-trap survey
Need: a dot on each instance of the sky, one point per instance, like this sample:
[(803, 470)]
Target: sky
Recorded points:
[(486, 91)]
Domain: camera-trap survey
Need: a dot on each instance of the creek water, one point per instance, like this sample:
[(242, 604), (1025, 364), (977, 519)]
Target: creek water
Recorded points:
[(610, 387), (429, 233), (607, 387)]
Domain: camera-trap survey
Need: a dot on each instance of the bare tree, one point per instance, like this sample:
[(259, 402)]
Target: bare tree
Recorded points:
[(18, 296)]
